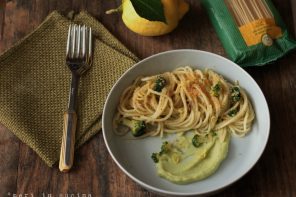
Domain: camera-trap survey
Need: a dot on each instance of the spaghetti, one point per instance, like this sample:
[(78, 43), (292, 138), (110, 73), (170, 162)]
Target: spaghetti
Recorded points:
[(200, 101), (246, 11)]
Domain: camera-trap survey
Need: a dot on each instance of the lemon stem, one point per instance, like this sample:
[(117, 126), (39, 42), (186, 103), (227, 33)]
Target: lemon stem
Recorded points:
[(111, 11)]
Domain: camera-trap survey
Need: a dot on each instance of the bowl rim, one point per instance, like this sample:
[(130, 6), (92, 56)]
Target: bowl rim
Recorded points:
[(166, 192)]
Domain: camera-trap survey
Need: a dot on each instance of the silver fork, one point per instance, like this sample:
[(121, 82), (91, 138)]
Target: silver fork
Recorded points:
[(78, 59)]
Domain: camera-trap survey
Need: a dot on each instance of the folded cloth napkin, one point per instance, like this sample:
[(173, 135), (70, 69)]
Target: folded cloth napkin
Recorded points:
[(35, 81)]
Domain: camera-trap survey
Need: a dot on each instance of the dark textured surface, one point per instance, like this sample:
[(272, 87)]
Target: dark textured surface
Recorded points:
[(23, 172)]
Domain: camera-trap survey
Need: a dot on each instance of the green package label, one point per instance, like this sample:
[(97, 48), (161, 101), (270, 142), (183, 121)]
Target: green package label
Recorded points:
[(251, 31)]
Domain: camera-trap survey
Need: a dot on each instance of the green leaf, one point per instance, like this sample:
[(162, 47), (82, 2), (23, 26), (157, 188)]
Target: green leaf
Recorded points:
[(151, 10)]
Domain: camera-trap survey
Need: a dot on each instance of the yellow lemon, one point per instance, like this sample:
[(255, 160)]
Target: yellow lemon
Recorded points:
[(174, 10)]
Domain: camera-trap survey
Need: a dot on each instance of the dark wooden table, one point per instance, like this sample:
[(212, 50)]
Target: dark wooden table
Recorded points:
[(23, 172)]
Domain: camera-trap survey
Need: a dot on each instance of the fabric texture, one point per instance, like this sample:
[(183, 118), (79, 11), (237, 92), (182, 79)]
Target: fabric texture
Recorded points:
[(35, 83)]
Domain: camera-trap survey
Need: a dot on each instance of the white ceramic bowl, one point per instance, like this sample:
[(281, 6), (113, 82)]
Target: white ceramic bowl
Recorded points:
[(133, 156)]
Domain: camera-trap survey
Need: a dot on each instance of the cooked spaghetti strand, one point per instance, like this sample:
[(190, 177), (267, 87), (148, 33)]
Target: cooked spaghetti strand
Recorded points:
[(202, 101)]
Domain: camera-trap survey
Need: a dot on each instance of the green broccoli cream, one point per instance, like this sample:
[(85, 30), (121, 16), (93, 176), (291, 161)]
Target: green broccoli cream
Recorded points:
[(191, 158)]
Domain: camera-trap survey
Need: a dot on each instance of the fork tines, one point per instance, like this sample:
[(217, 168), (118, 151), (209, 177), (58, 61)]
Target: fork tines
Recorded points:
[(79, 43)]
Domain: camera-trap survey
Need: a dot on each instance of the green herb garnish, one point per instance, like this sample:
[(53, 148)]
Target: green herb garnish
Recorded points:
[(164, 148), (160, 83), (154, 157), (196, 141), (235, 94), (232, 113), (215, 90)]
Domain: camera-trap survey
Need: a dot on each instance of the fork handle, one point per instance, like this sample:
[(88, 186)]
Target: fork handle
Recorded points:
[(68, 141), (70, 123)]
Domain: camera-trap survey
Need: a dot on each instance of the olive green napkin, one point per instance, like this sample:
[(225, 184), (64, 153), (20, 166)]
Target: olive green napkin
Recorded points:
[(35, 81)]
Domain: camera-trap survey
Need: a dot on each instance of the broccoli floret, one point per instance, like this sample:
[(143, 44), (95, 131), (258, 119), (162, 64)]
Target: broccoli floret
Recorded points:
[(160, 83), (215, 91), (232, 113), (137, 126), (197, 141), (235, 94), (154, 157), (164, 148)]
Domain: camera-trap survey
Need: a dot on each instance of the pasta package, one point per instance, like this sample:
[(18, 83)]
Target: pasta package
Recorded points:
[(251, 31)]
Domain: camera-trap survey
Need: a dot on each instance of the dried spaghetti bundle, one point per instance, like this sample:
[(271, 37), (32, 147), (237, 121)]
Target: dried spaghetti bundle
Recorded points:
[(251, 31)]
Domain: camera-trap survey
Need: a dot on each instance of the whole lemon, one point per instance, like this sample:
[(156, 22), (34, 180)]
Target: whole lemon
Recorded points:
[(174, 10)]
